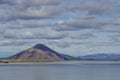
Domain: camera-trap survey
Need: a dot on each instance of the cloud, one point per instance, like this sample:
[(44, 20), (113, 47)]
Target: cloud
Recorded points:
[(51, 34), (10, 34), (47, 9), (82, 36), (23, 9), (45, 33), (115, 38), (110, 29), (31, 2), (105, 44), (68, 43), (96, 7), (77, 24), (21, 24), (2, 30), (40, 12), (27, 35), (103, 24), (84, 16), (13, 42), (65, 24), (23, 35)]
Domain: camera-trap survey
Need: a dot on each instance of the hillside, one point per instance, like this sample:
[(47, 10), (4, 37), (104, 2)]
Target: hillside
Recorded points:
[(40, 52)]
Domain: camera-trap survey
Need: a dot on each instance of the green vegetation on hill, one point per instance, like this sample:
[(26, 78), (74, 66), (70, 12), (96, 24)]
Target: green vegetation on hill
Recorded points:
[(20, 60)]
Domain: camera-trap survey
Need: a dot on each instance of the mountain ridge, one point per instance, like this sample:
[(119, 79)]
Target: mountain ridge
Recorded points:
[(100, 56)]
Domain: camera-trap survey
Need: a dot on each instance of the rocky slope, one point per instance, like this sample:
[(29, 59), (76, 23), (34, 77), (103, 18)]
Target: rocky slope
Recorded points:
[(40, 52)]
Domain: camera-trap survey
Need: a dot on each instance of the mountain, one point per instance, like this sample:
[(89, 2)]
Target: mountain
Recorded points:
[(100, 57), (40, 52)]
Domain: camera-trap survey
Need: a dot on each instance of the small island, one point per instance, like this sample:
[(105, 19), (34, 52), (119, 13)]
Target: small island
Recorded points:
[(38, 53)]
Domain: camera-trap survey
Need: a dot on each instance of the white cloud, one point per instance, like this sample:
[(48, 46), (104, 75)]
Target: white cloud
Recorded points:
[(10, 34), (65, 24)]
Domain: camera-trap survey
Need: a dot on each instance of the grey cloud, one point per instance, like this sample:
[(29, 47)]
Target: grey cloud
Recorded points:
[(32, 11), (39, 9), (27, 35), (110, 25), (111, 21), (105, 44), (68, 43), (2, 30), (14, 35), (49, 34), (82, 36), (21, 24), (94, 7), (30, 2), (43, 34), (77, 24), (54, 22), (59, 44), (84, 16), (43, 12), (7, 2), (115, 38), (55, 36), (24, 35), (13, 43), (110, 29), (10, 34)]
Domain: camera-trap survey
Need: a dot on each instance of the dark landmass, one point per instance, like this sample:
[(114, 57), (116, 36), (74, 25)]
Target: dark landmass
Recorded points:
[(38, 53), (42, 53), (101, 57)]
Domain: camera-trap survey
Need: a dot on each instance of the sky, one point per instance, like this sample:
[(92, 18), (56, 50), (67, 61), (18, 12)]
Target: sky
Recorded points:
[(74, 27)]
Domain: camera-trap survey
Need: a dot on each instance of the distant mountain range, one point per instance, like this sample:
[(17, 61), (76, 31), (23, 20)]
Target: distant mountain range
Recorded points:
[(100, 56), (40, 52)]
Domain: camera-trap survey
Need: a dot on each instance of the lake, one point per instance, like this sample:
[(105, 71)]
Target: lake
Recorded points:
[(68, 70)]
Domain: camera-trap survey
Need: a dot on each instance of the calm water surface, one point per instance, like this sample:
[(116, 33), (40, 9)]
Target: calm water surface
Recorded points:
[(74, 70)]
